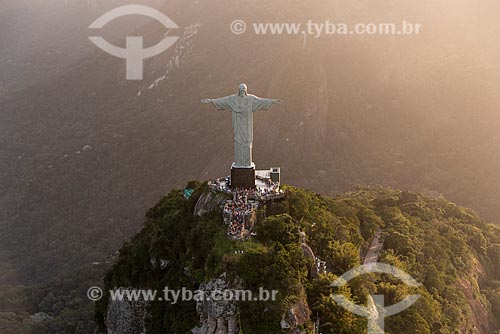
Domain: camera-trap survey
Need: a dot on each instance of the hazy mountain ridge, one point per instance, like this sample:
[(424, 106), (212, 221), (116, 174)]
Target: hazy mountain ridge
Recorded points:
[(416, 114)]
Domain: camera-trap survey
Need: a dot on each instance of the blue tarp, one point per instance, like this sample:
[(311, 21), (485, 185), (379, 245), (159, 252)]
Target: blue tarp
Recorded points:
[(188, 193)]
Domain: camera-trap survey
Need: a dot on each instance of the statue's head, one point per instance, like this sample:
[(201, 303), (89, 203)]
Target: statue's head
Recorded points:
[(243, 90)]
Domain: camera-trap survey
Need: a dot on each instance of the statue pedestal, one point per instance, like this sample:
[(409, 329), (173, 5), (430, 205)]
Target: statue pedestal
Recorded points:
[(243, 177)]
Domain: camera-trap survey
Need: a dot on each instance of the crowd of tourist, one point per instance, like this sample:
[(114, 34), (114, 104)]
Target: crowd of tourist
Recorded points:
[(221, 184), (244, 201), (269, 188), (269, 191), (237, 209)]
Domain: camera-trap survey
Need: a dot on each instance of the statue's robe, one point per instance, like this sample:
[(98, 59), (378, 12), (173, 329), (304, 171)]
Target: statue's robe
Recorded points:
[(242, 108)]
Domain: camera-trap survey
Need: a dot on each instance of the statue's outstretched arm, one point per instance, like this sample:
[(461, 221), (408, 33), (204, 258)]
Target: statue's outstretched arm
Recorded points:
[(222, 103), (272, 101), (264, 104)]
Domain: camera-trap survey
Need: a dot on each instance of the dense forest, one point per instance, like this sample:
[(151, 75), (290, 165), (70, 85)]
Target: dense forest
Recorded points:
[(452, 252), (83, 152)]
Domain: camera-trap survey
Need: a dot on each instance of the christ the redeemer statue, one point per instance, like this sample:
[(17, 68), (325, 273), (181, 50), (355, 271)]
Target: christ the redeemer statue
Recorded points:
[(242, 106)]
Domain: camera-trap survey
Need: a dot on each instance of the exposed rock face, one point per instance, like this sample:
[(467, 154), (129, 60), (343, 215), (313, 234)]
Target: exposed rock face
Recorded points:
[(308, 252), (126, 317), (217, 316), (250, 220), (298, 314), (317, 266), (480, 315), (40, 317), (209, 201)]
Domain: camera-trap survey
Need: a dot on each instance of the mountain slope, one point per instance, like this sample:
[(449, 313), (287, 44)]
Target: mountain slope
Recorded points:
[(448, 249)]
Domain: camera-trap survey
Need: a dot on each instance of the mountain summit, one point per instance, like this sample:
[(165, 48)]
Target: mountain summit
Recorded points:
[(300, 244)]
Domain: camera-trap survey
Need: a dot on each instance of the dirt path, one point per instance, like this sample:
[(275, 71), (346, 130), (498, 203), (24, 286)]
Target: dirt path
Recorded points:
[(375, 248)]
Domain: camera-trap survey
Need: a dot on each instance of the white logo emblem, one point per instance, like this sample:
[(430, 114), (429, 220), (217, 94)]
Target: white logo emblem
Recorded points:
[(134, 53), (376, 311)]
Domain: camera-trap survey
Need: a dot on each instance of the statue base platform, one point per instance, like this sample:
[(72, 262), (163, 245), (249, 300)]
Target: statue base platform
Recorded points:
[(243, 177)]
